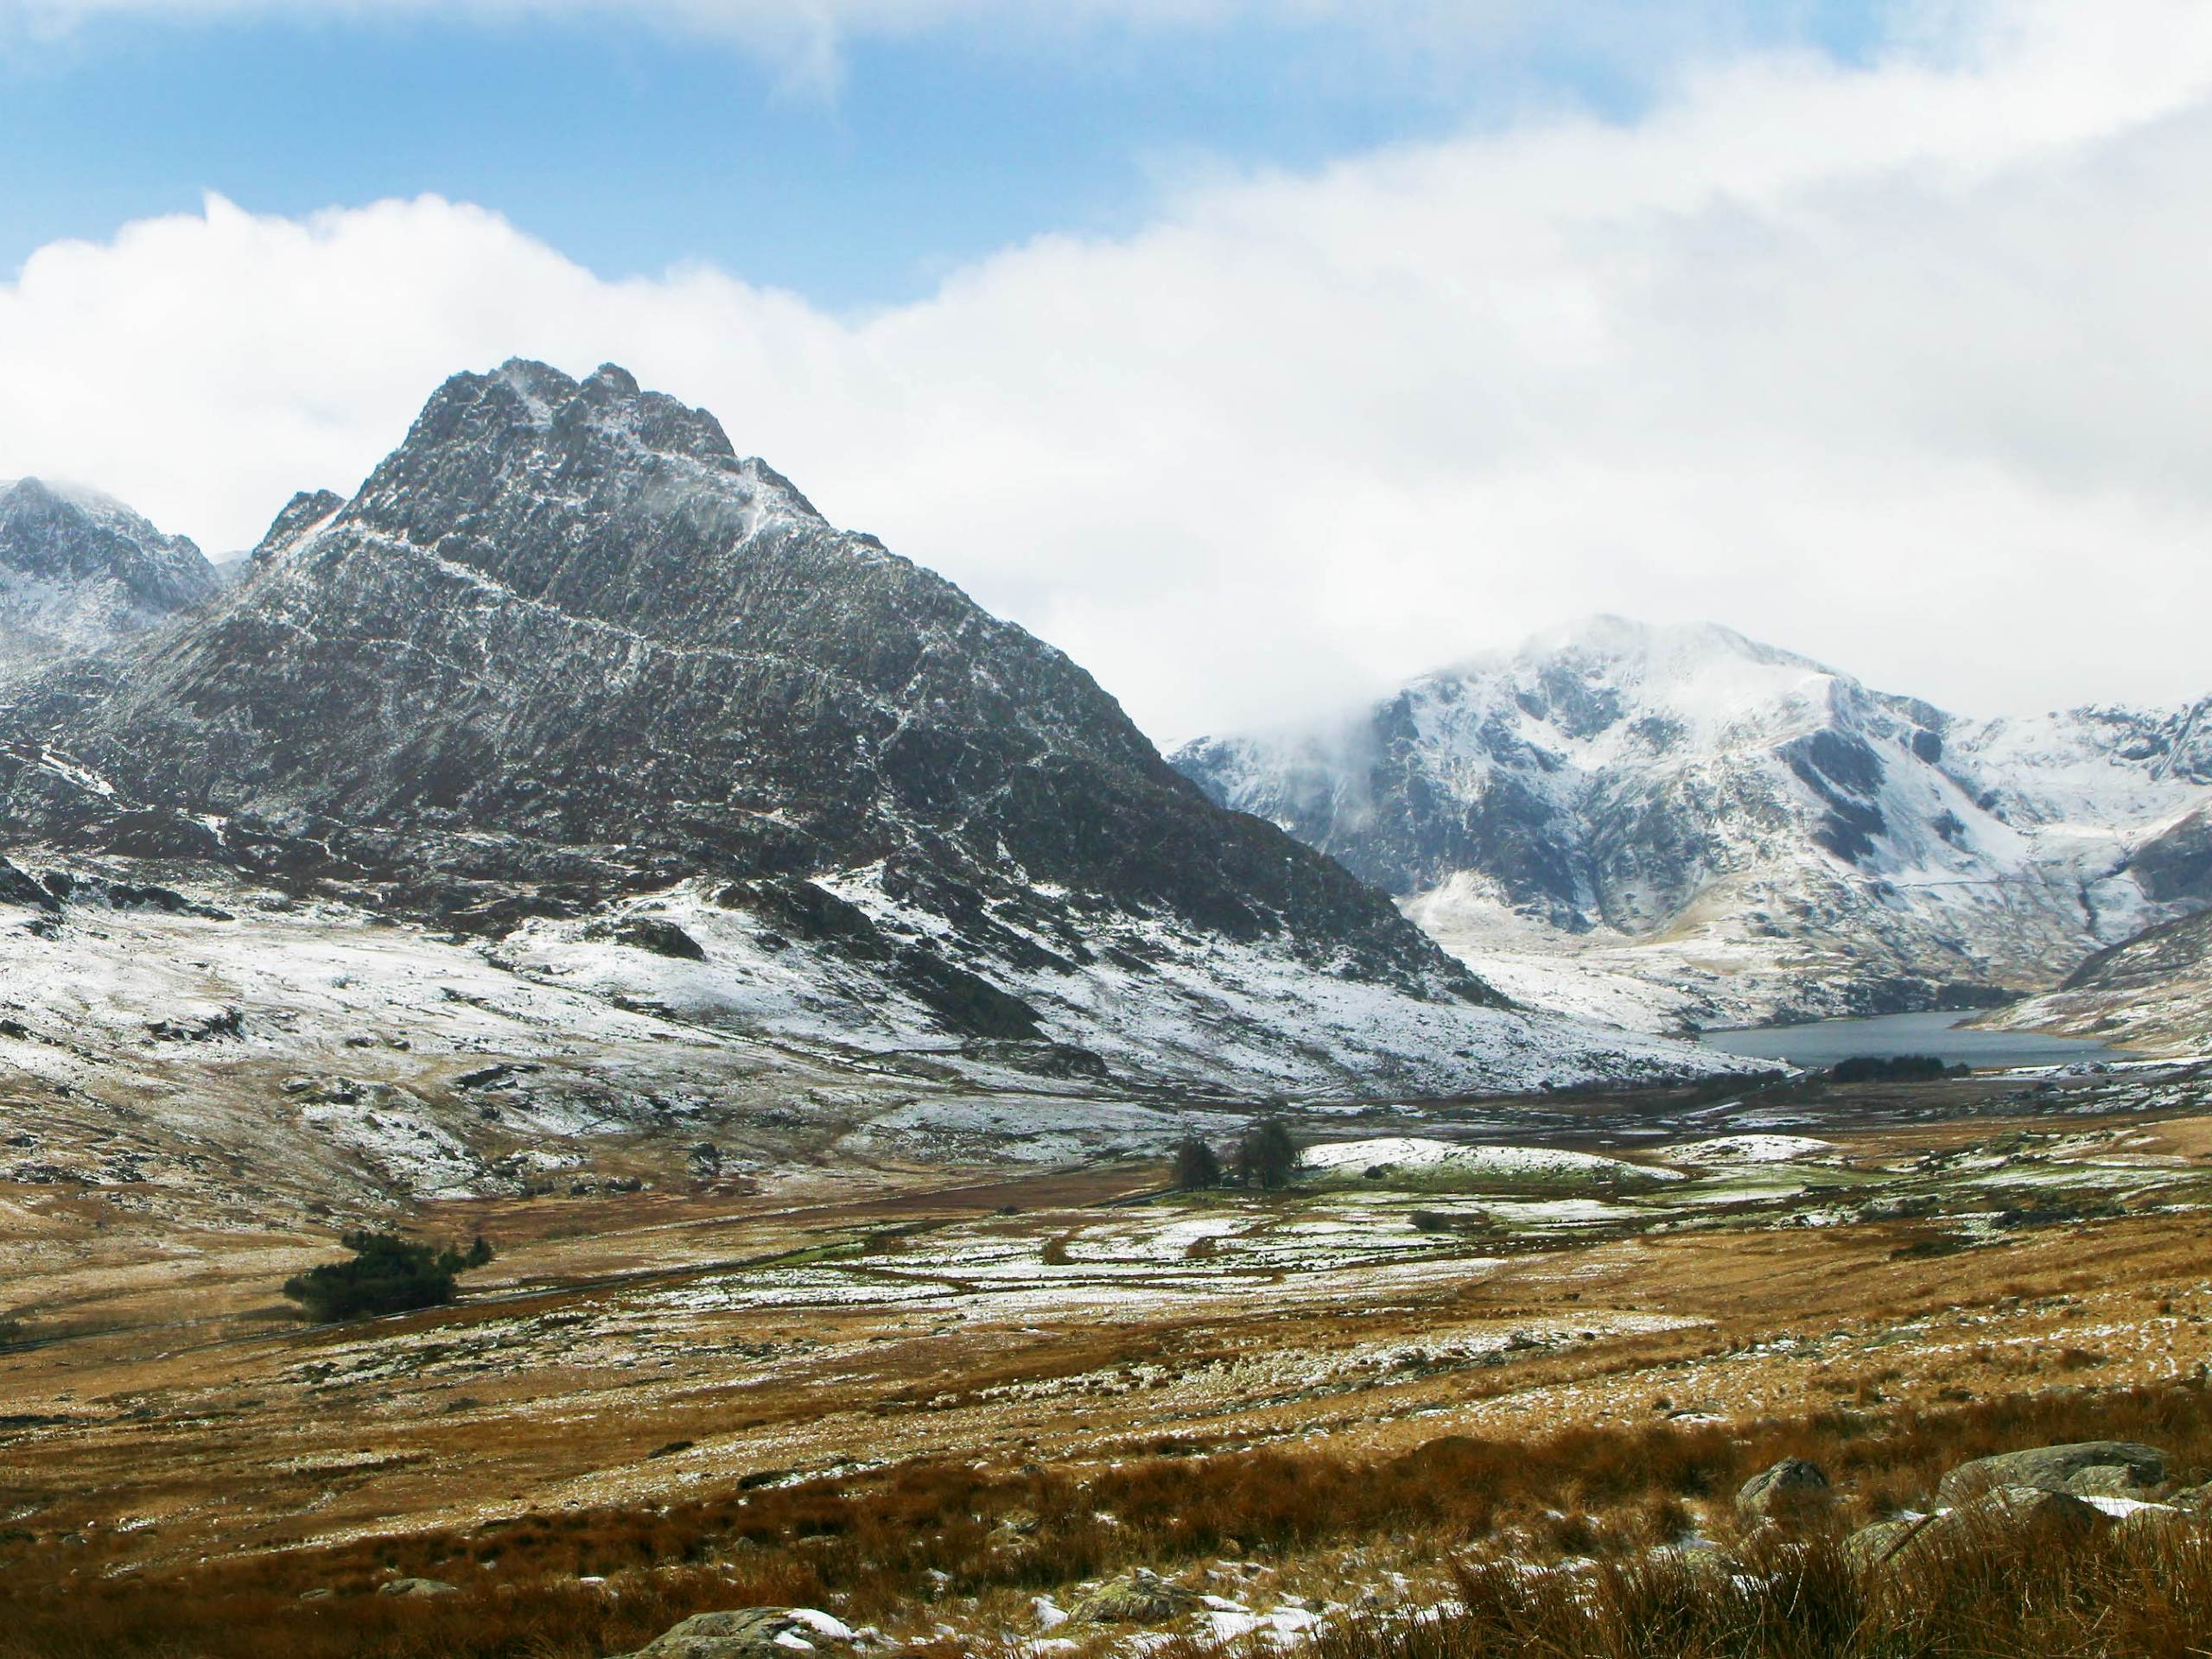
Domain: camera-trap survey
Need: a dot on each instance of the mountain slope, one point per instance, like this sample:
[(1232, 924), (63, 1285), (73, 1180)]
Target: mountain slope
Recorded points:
[(2152, 992), (567, 660), (78, 572), (1715, 830)]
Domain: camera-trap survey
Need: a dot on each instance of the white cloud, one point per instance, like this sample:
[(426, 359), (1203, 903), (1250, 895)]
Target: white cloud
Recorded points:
[(1903, 367)]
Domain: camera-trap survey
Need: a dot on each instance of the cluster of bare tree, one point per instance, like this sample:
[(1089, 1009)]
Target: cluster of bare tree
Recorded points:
[(1265, 1157)]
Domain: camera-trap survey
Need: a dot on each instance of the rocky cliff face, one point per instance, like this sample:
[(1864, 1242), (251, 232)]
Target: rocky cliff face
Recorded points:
[(567, 660), (1721, 831), (79, 572)]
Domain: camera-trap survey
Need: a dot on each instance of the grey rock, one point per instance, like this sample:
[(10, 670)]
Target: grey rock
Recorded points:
[(418, 1589), (2086, 1469), (566, 645), (1583, 781), (663, 938), (1138, 1598), (1790, 1491), (747, 1633)]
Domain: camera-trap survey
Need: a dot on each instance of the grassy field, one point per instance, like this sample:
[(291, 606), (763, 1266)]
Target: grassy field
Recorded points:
[(923, 1402)]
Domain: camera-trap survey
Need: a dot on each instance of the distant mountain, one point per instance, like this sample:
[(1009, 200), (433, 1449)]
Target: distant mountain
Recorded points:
[(2152, 992), (78, 572), (571, 675), (1713, 830)]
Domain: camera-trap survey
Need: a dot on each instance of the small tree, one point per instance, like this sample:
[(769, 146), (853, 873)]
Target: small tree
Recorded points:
[(388, 1274), (1196, 1166), (1266, 1155)]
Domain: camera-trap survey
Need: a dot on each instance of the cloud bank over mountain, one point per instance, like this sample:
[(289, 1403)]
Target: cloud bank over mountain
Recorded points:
[(1898, 362)]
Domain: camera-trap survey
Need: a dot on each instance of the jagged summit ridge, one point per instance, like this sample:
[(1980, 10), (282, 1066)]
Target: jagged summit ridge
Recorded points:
[(565, 653)]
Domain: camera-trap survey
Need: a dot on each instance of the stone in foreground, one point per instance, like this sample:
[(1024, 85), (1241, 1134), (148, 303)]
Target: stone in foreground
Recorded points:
[(1139, 1598), (1788, 1491), (2088, 1469), (747, 1633)]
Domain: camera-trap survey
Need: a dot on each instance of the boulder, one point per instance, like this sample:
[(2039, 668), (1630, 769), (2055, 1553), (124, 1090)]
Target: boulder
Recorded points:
[(1138, 1598), (2088, 1469), (2049, 1519), (1872, 1546), (1788, 1491), (2043, 1520), (747, 1633), (418, 1589), (663, 938)]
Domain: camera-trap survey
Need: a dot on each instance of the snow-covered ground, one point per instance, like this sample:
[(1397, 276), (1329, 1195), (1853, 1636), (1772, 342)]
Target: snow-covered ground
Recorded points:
[(1417, 1161), (348, 1059), (1168, 1007)]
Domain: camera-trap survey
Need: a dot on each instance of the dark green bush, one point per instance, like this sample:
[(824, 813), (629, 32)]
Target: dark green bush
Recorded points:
[(1894, 1068), (1267, 1157), (388, 1274), (1196, 1166)]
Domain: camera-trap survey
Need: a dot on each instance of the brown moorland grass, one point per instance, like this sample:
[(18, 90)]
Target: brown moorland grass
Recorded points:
[(2133, 1594), (872, 1549)]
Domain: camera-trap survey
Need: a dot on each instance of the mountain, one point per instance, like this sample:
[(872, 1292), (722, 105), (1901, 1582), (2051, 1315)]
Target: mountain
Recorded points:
[(1665, 825), (78, 572), (2152, 993), (570, 675)]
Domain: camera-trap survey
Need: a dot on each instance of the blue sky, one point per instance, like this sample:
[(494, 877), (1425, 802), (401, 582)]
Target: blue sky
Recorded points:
[(632, 146), (1391, 330)]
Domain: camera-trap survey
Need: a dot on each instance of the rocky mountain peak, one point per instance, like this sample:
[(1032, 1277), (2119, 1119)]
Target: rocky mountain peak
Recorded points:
[(307, 510), (1624, 783), (79, 570), (568, 673)]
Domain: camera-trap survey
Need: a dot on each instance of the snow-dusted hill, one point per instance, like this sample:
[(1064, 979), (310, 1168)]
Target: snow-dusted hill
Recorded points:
[(2152, 993), (1661, 825), (569, 676), (78, 572)]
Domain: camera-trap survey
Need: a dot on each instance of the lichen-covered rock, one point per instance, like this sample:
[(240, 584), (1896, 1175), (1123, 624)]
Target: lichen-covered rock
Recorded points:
[(2042, 1520), (1874, 1545), (747, 1633), (418, 1589), (1791, 1491), (1138, 1598), (2085, 1469)]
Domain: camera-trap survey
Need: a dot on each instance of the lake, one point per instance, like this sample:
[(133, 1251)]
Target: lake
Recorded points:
[(1826, 1041)]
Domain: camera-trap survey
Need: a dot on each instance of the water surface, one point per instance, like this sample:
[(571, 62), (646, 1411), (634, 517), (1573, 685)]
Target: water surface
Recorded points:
[(1826, 1041)]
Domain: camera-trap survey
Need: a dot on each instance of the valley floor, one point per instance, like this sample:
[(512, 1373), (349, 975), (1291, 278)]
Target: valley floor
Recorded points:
[(657, 1401)]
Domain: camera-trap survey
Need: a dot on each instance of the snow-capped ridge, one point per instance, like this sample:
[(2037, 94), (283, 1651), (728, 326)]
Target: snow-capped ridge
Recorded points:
[(564, 648), (1756, 832)]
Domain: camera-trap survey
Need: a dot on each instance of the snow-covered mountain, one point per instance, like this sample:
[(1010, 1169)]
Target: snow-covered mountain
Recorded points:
[(2152, 993), (78, 572), (1662, 825), (570, 676)]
